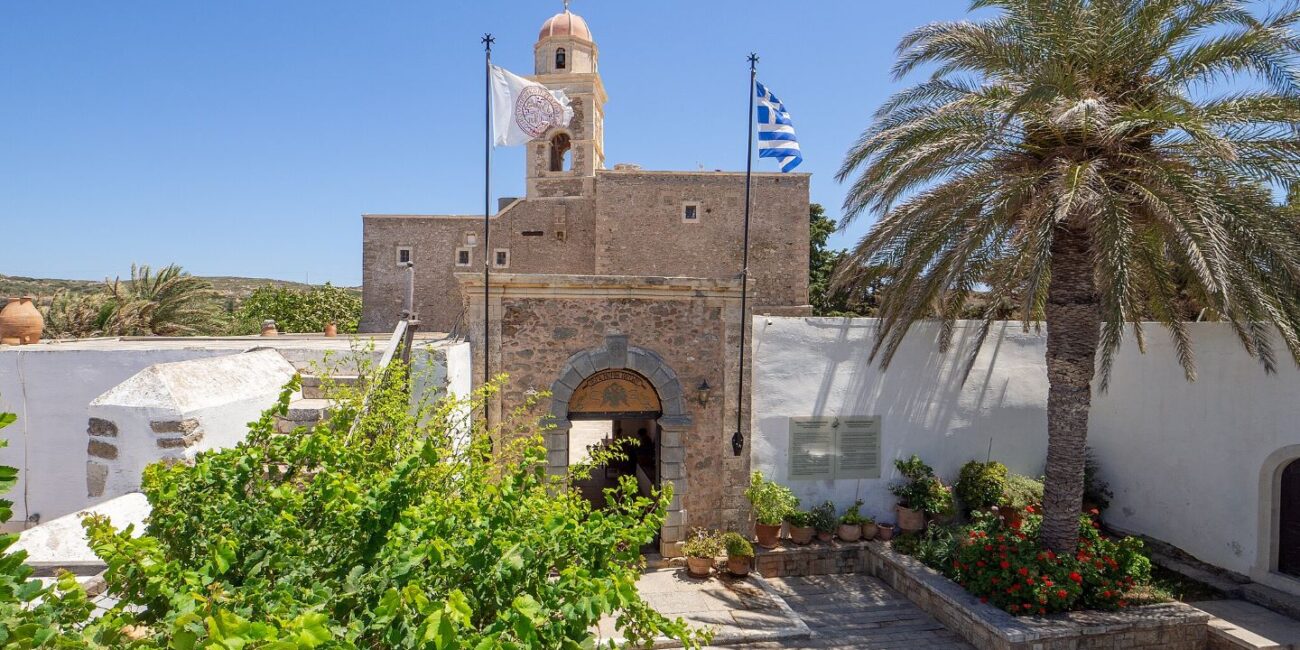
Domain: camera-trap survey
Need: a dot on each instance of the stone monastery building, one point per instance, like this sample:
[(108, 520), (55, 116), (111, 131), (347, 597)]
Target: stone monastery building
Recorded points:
[(616, 290)]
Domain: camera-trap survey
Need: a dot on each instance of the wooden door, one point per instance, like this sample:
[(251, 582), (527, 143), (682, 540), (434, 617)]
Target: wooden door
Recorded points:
[(1288, 548)]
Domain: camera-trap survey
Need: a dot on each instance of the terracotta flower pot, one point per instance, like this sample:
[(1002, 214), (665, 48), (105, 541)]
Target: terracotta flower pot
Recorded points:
[(768, 536), (21, 320), (885, 532), (869, 531), (331, 330), (825, 535), (1011, 515), (801, 535), (910, 521), (269, 329), (699, 567), (850, 532), (738, 565)]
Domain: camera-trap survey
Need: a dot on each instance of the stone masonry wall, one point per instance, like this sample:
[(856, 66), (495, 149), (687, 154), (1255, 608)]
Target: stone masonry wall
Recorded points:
[(633, 226), (539, 335), (639, 229), (564, 246)]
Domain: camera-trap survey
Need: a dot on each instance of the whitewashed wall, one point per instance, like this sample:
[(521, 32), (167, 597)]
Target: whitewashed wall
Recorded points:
[(49, 389), (1185, 460), (217, 397), (819, 366)]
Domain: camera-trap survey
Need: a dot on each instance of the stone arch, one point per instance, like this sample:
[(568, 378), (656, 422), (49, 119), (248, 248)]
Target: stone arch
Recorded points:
[(675, 423), (1270, 516), (560, 145)]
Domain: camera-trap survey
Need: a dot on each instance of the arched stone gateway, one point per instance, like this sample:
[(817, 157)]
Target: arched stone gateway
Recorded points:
[(1278, 559), (614, 393)]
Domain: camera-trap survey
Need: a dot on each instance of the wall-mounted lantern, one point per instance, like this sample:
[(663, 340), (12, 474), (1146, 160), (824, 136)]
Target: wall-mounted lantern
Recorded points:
[(702, 392)]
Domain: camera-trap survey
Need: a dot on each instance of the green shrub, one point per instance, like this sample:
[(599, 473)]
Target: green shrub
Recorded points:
[(799, 518), (823, 517), (296, 310), (703, 543), (979, 485), (1021, 492), (737, 545), (771, 501), (934, 546), (413, 530)]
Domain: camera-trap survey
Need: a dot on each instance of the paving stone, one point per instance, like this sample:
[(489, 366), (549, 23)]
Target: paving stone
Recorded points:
[(856, 611)]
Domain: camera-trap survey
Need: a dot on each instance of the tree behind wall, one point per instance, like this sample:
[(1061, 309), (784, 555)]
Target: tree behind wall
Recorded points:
[(857, 300), (296, 310), (1080, 158), (166, 302)]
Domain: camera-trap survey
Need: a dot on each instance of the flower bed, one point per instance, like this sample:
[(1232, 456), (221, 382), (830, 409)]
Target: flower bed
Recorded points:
[(1165, 626), (1003, 564)]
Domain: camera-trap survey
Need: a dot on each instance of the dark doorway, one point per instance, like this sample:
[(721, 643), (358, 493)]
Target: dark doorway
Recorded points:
[(638, 438), (616, 407), (1288, 542)]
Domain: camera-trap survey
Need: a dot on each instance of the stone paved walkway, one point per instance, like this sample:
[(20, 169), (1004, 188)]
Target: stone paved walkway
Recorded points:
[(856, 611), (737, 610)]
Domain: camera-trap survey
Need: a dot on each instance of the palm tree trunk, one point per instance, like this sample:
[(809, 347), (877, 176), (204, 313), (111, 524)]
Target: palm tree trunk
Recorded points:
[(1073, 327)]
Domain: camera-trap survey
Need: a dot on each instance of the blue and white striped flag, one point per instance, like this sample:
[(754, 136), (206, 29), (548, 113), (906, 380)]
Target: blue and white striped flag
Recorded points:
[(775, 130)]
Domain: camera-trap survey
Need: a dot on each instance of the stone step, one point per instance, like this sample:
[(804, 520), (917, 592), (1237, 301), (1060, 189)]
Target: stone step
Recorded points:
[(303, 413), (1281, 602), (313, 386), (1239, 624)]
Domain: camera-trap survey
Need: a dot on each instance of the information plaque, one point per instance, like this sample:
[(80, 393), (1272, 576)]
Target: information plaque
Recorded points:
[(834, 447)]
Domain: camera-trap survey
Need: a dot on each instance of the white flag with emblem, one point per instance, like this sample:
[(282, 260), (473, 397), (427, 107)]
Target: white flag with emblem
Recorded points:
[(523, 110)]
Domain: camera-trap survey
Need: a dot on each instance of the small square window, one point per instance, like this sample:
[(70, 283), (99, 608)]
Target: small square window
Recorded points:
[(691, 212), (462, 256), (403, 255), (502, 258)]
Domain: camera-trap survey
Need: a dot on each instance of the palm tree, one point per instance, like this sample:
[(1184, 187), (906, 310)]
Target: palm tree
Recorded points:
[(1086, 160), (169, 302)]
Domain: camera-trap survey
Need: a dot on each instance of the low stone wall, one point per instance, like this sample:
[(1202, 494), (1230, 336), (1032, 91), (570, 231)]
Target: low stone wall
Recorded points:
[(817, 558), (1168, 626)]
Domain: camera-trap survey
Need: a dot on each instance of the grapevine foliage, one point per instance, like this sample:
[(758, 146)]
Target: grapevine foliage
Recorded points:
[(416, 529)]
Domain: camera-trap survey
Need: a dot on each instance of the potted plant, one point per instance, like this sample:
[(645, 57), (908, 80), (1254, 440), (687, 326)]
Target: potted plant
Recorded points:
[(801, 530), (885, 532), (1019, 494), (869, 528), (824, 521), (919, 492), (701, 547), (771, 502), (850, 529), (739, 554)]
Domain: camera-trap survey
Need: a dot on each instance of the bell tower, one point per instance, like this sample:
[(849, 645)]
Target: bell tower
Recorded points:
[(565, 58)]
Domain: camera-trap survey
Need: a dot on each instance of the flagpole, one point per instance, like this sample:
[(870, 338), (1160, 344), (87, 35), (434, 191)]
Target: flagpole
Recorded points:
[(738, 438), (487, 207)]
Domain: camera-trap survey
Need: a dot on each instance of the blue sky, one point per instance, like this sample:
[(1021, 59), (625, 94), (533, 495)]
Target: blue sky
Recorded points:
[(246, 137)]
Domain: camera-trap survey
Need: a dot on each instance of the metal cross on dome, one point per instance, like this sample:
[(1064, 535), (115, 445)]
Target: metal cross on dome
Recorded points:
[(566, 5)]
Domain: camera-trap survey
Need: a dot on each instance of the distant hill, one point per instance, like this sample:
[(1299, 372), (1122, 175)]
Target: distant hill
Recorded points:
[(231, 288)]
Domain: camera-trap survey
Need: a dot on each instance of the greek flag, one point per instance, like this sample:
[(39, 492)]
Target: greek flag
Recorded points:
[(775, 130)]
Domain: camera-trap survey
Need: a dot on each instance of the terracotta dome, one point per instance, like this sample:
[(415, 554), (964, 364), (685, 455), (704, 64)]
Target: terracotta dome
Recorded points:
[(565, 23)]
